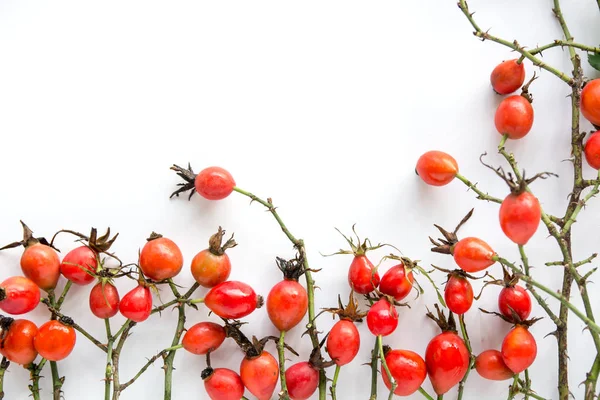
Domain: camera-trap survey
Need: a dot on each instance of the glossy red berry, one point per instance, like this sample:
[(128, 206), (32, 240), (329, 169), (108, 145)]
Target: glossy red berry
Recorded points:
[(302, 380), (79, 265), (458, 294), (397, 282), (408, 370), (161, 259), (343, 342), (515, 298), (19, 295), (41, 264), (519, 349), (520, 216), (508, 76), (382, 318), (203, 337), (214, 183), (447, 360), (232, 300), (17, 342), (472, 254), (592, 150), (104, 300), (55, 341), (287, 303), (260, 375), (514, 117), (489, 365), (362, 275), (137, 304), (222, 384), (590, 101), (437, 168)]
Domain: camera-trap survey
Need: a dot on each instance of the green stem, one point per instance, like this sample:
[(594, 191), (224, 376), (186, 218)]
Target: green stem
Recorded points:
[(527, 385), (465, 334), (514, 388), (176, 338), (333, 384), (57, 381), (374, 371), (63, 296), (580, 205), (425, 394), (480, 195), (3, 367), (123, 335), (440, 397), (592, 379), (35, 370), (513, 45), (310, 283), (385, 367), (281, 352), (563, 24), (151, 361), (108, 371)]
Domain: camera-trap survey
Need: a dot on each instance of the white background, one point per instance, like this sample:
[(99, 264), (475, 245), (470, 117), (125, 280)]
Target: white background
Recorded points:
[(324, 106)]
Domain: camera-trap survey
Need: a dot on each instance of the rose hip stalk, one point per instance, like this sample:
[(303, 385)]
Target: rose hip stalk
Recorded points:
[(212, 266), (39, 262)]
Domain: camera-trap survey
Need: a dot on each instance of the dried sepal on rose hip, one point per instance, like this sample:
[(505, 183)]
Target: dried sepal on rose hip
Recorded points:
[(39, 261), (287, 302), (363, 277), (471, 254), (447, 357), (436, 168), (407, 368), (343, 341), (212, 183), (508, 76), (160, 258), (212, 266), (514, 115)]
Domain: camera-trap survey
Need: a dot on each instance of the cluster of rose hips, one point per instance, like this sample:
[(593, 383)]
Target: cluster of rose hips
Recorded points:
[(447, 358)]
